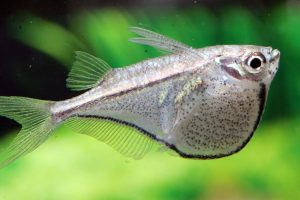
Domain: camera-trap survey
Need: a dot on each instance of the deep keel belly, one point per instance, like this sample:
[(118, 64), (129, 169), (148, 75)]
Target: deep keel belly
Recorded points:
[(217, 127)]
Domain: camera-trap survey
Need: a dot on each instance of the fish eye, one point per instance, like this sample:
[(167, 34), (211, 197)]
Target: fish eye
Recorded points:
[(255, 62)]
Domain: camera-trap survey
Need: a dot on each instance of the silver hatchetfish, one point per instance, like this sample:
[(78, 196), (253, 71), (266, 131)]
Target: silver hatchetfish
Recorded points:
[(199, 103)]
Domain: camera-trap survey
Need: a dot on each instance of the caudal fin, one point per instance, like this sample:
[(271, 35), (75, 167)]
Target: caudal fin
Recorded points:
[(35, 118)]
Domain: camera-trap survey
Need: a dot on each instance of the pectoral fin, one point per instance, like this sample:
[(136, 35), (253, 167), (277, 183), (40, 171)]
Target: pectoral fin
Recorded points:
[(87, 71), (161, 42)]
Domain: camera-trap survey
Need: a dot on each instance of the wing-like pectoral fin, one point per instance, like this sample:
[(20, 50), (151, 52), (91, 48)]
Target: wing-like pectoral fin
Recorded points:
[(161, 42), (125, 139)]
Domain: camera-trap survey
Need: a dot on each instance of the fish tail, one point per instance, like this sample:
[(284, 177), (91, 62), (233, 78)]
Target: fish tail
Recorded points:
[(37, 125)]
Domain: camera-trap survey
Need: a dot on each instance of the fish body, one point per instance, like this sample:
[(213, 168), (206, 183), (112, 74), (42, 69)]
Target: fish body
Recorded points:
[(201, 103)]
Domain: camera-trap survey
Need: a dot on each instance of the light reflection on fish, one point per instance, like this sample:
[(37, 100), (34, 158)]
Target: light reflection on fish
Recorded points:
[(201, 103)]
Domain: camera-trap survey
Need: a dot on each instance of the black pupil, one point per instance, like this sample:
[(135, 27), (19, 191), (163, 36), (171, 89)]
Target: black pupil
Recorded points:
[(255, 63)]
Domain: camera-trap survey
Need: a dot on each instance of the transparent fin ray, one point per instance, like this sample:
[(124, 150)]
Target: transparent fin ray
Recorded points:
[(160, 41), (35, 118), (86, 71), (125, 139)]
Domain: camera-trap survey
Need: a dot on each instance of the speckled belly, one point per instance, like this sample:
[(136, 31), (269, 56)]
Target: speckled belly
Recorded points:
[(215, 124)]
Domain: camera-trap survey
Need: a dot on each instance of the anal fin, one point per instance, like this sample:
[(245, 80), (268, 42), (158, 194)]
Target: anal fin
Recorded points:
[(127, 140)]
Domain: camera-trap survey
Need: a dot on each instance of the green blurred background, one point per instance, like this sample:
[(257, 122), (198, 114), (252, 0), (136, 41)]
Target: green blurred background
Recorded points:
[(38, 40)]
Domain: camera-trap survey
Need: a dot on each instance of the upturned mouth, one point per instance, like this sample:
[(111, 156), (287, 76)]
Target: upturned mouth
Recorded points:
[(275, 54)]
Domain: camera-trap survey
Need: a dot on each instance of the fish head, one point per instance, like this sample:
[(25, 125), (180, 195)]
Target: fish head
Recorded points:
[(248, 62)]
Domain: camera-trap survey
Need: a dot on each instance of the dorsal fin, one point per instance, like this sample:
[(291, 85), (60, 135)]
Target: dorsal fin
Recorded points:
[(160, 41), (125, 139), (86, 71)]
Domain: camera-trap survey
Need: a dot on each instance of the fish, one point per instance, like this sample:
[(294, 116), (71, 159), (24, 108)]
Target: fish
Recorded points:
[(200, 103)]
